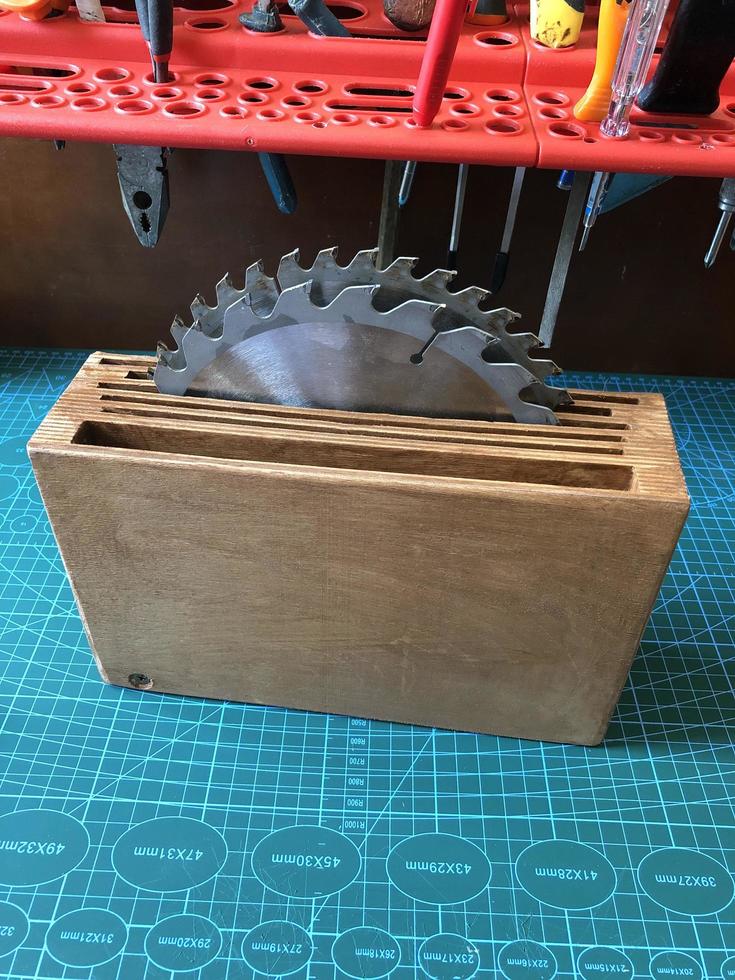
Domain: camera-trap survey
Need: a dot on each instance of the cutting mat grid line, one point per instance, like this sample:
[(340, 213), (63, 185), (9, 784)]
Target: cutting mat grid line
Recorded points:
[(112, 759)]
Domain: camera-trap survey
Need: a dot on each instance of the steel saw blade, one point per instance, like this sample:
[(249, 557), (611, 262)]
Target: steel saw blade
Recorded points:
[(349, 355)]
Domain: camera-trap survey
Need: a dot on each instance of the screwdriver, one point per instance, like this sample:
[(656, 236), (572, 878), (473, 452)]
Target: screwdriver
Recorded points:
[(595, 102), (441, 43), (556, 23), (502, 258), (404, 192), (698, 52), (726, 204), (157, 27), (459, 195), (636, 50)]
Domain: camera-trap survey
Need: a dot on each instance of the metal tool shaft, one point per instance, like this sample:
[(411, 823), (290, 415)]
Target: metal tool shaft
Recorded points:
[(457, 215), (575, 205)]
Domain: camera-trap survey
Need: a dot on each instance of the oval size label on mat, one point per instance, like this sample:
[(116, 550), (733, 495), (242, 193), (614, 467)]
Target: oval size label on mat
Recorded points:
[(86, 937), (448, 956), (365, 953), (169, 854), (600, 961), (672, 965), (526, 960), (14, 927), (13, 452), (728, 969), (306, 861), (566, 874), (277, 948), (438, 868), (686, 881), (38, 846), (183, 942)]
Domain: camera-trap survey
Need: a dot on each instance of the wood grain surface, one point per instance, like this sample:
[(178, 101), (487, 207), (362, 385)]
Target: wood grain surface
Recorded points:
[(470, 575)]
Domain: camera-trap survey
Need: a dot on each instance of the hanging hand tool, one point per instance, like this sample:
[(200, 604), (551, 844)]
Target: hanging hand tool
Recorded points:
[(500, 266), (563, 256), (459, 194), (436, 63), (565, 180), (556, 23), (409, 15), (487, 13), (726, 204), (636, 50), (595, 102), (156, 18), (143, 177), (698, 52), (404, 191), (641, 30), (388, 227)]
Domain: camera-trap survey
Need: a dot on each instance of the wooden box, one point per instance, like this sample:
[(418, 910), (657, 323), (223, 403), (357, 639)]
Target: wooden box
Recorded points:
[(490, 577)]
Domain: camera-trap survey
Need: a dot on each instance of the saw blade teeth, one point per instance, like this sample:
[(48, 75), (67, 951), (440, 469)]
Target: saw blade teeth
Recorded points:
[(473, 295), (325, 258), (403, 265), (177, 329), (198, 306), (363, 265), (289, 269)]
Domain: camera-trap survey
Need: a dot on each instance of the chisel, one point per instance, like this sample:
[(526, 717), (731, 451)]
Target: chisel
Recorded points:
[(698, 51)]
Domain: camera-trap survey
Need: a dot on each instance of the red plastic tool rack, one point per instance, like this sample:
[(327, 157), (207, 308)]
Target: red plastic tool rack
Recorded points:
[(509, 101)]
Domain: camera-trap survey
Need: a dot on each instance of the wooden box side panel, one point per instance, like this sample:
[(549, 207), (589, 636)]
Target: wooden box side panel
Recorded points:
[(515, 611)]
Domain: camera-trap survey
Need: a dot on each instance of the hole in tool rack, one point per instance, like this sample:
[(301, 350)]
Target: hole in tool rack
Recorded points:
[(271, 115), (498, 38), (138, 106), (567, 130), (262, 83), (724, 139), (183, 109), (465, 109), (397, 93), (367, 107), (80, 88), (88, 103), (551, 98), (25, 86), (502, 95), (150, 80), (48, 101), (553, 113), (687, 138), (11, 98), (507, 110), (112, 74), (307, 117), (166, 93), (310, 87), (210, 94), (344, 119), (381, 121), (233, 112), (39, 71), (209, 24), (651, 135), (295, 102), (455, 125), (212, 79), (456, 93), (252, 97), (503, 127)]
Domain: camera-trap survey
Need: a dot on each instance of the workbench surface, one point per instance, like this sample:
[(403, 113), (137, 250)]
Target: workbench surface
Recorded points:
[(652, 887)]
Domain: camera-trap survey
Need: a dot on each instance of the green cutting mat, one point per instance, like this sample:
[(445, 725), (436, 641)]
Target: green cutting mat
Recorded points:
[(142, 835)]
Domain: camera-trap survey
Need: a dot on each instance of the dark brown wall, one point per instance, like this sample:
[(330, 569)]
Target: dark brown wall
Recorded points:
[(73, 273)]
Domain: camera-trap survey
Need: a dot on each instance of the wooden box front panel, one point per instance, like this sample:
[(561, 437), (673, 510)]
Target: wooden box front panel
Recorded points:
[(460, 603)]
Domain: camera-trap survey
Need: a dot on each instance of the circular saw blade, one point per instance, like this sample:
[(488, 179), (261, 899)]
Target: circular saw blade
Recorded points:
[(349, 355)]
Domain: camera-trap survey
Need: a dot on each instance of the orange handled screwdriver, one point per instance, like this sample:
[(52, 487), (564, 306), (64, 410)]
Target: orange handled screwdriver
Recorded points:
[(595, 102), (436, 64)]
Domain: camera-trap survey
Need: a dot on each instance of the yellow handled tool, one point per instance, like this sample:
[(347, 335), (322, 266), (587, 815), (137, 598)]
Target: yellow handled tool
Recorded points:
[(595, 102), (556, 23), (34, 9)]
